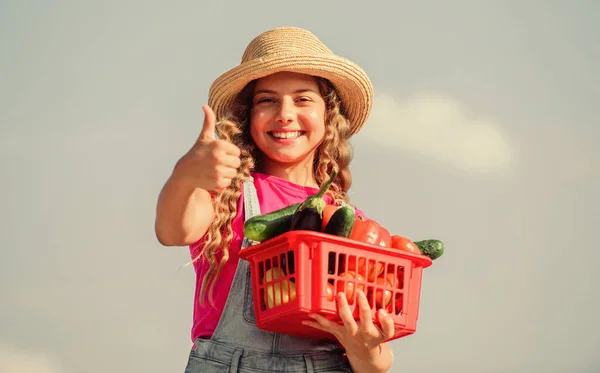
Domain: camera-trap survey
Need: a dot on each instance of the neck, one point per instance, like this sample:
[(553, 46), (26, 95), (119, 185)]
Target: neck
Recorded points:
[(300, 173)]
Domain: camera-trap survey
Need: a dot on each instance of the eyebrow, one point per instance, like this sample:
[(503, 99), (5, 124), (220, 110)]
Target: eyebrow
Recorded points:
[(302, 90)]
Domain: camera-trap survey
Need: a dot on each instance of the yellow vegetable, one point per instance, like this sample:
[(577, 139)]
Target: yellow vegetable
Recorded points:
[(279, 292)]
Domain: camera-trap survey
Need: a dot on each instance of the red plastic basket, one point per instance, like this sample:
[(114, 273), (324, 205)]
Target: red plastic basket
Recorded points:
[(297, 272)]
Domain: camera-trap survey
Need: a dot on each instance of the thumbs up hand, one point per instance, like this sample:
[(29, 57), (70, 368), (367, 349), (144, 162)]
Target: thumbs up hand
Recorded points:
[(208, 127), (211, 163)]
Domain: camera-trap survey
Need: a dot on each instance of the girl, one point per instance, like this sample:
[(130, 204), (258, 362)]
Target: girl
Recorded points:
[(283, 119)]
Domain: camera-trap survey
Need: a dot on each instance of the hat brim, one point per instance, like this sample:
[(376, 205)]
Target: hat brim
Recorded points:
[(349, 80)]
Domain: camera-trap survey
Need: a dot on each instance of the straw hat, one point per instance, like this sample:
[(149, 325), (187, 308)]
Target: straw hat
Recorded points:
[(296, 50)]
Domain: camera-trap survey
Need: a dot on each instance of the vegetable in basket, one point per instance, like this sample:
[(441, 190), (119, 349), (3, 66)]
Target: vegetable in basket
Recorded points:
[(281, 292), (266, 226), (431, 248), (309, 215), (341, 222)]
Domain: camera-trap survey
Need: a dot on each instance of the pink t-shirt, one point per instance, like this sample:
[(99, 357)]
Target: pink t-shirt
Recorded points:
[(273, 193)]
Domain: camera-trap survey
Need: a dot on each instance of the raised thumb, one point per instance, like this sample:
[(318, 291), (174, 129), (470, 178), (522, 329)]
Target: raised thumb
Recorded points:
[(208, 128)]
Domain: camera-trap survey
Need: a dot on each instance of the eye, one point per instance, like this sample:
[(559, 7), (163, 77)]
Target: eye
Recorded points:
[(304, 99), (265, 99)]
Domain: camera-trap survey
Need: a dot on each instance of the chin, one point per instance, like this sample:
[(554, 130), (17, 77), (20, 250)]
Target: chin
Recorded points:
[(287, 158)]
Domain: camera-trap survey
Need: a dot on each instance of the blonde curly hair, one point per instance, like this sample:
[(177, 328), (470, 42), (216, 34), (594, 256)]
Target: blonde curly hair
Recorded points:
[(334, 152)]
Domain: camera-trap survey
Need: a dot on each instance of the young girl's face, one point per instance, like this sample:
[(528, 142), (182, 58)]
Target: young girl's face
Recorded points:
[(287, 121)]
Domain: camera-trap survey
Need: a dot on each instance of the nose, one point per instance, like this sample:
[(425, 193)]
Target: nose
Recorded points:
[(287, 112)]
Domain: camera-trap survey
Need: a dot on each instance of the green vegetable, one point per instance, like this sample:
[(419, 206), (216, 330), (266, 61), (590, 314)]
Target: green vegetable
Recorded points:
[(341, 222), (431, 248), (266, 226), (309, 215)]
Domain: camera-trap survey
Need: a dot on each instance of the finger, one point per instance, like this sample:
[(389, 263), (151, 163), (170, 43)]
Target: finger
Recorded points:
[(364, 311), (387, 324), (231, 161), (316, 325), (226, 172), (223, 147), (208, 128), (313, 324), (221, 184), (325, 323), (346, 313), (229, 148)]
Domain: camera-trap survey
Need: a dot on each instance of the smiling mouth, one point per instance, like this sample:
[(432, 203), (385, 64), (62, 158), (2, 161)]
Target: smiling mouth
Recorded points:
[(288, 135)]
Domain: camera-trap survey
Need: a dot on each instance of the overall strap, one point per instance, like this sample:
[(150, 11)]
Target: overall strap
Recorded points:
[(237, 324), (251, 205)]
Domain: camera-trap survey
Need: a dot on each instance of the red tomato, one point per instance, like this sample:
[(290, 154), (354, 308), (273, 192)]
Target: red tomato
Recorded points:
[(397, 304), (373, 270), (404, 244), (330, 292), (349, 278), (400, 278), (393, 280), (384, 297)]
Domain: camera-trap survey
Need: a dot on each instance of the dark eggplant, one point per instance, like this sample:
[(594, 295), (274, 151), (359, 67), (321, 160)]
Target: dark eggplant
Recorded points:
[(309, 215)]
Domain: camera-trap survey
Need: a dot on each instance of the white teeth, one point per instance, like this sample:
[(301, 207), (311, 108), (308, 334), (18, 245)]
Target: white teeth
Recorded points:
[(286, 135)]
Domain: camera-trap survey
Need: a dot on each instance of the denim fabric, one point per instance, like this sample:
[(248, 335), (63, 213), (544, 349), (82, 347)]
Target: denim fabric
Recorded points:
[(238, 346)]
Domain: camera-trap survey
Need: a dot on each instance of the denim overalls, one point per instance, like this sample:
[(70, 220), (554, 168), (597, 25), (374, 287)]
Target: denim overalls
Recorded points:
[(238, 346)]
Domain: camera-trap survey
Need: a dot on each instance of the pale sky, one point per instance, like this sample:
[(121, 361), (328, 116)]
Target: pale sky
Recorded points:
[(482, 135)]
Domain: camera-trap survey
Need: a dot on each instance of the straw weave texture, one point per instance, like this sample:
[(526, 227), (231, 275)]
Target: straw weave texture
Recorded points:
[(296, 50)]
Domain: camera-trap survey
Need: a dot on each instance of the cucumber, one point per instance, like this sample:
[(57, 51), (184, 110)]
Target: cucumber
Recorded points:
[(431, 248), (341, 222), (263, 227)]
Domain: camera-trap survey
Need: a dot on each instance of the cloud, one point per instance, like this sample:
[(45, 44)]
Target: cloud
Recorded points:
[(18, 361), (439, 127)]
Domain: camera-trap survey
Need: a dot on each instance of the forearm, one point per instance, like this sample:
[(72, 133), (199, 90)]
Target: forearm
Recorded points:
[(378, 360), (183, 212)]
